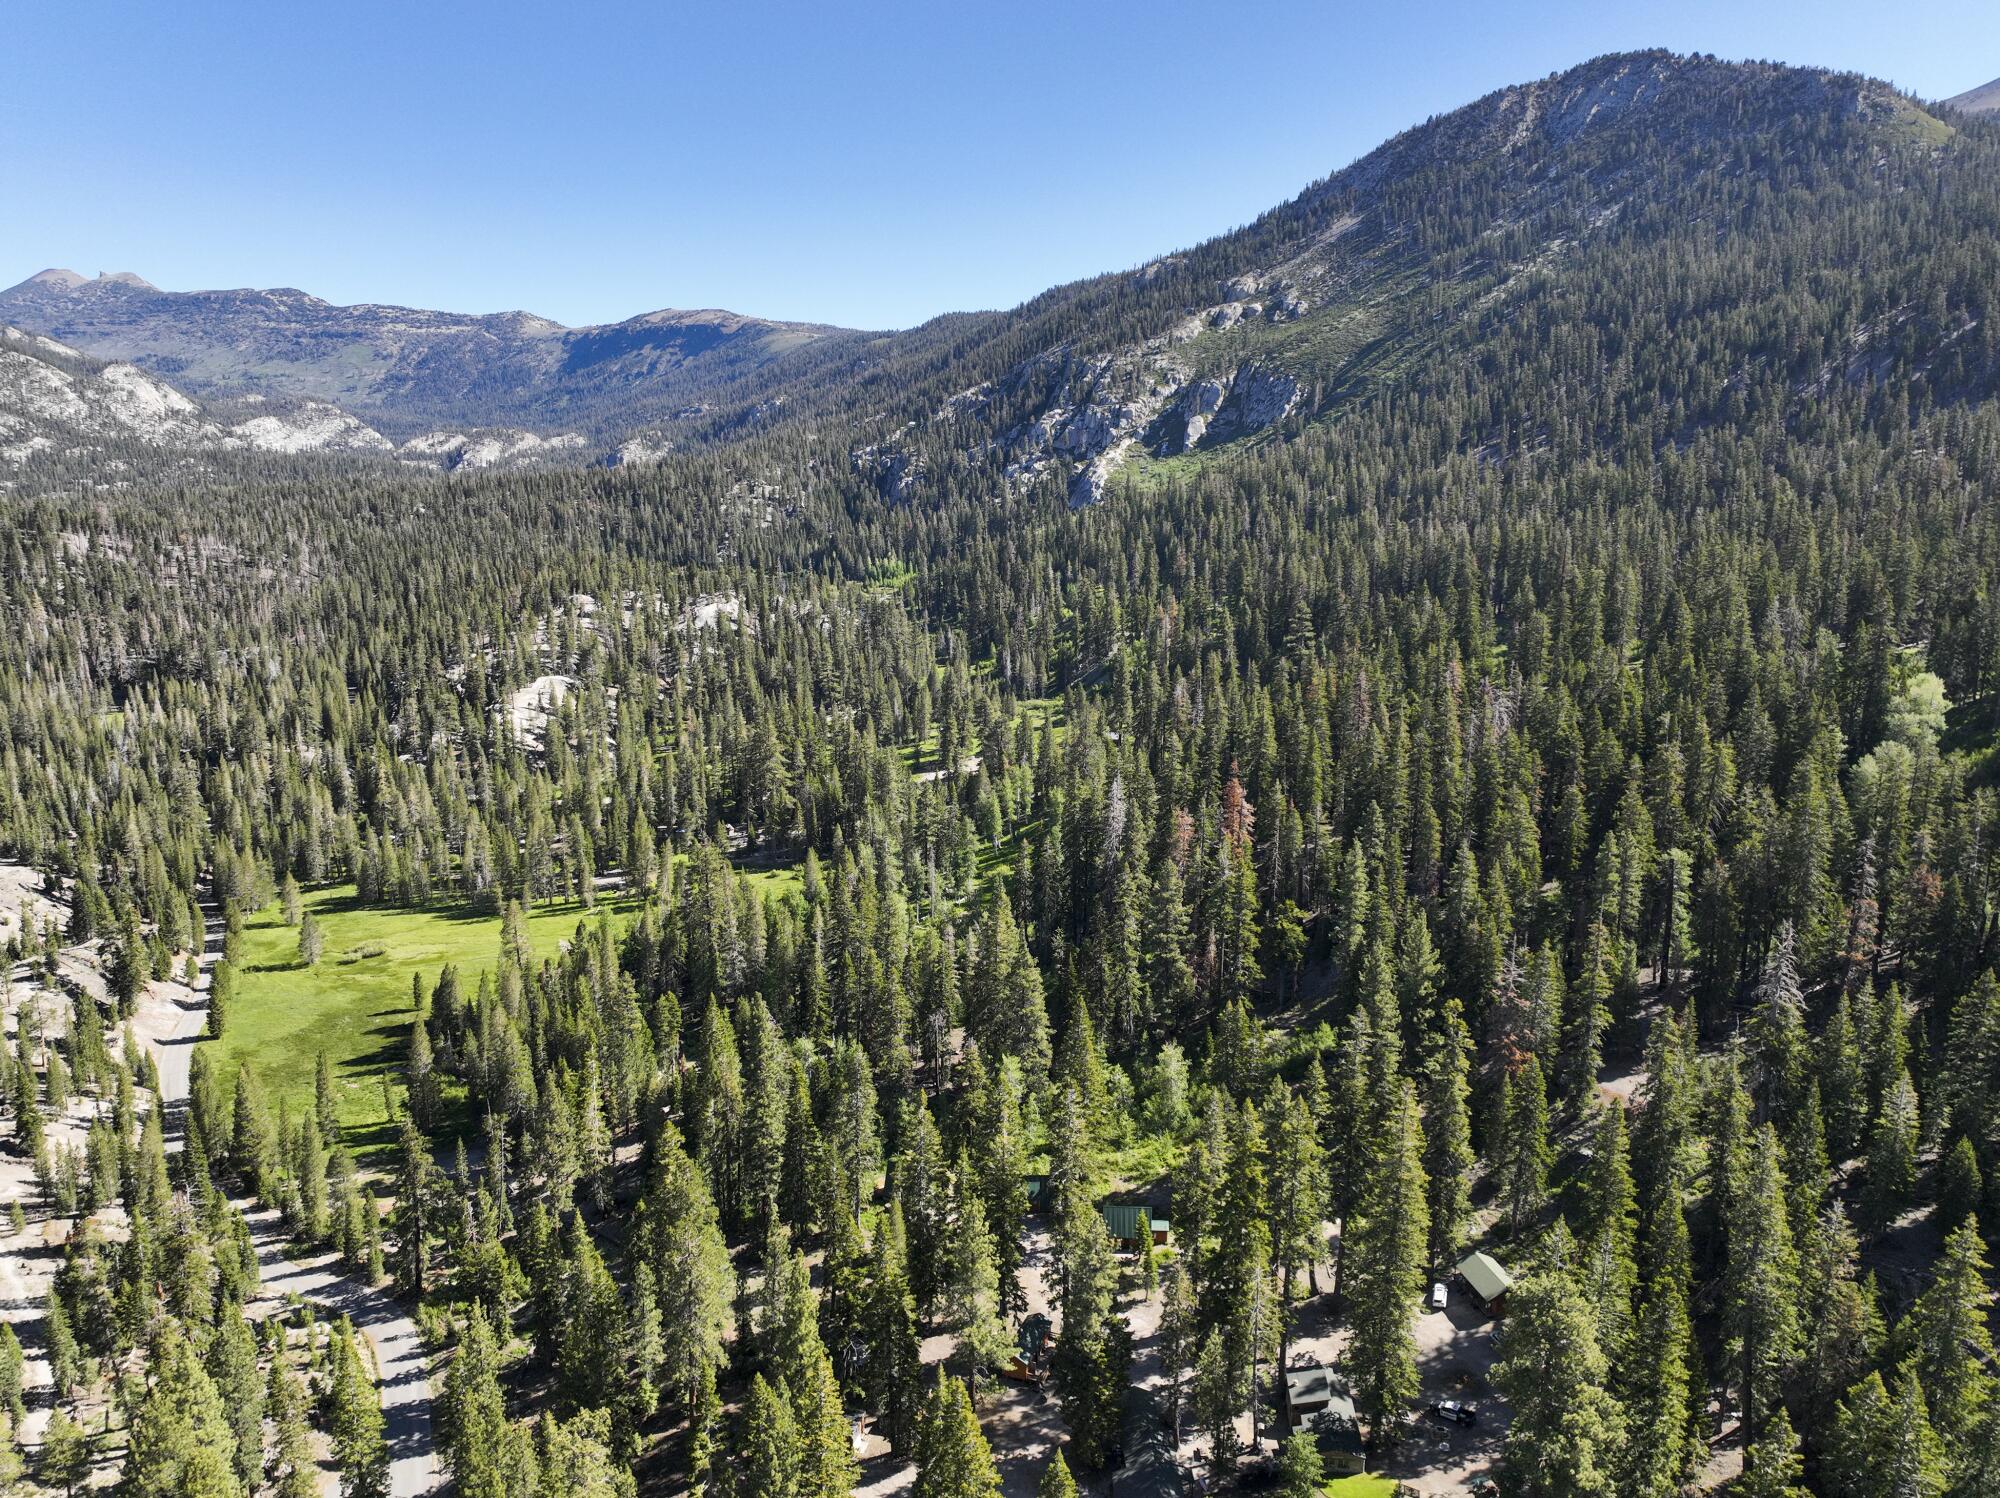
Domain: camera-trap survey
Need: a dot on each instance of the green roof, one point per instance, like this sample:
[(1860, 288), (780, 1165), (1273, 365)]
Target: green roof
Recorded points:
[(1483, 1272), (1126, 1222)]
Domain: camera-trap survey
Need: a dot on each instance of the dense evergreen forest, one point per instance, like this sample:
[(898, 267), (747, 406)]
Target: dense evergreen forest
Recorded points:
[(1542, 801)]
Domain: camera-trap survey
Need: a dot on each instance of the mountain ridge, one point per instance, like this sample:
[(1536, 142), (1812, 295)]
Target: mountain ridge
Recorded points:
[(1984, 99), (1420, 247), (405, 369)]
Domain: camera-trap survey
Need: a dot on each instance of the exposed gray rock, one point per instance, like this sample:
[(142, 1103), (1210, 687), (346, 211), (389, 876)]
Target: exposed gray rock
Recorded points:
[(1209, 412), (895, 473)]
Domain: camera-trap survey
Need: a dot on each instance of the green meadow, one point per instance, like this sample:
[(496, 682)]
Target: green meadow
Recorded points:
[(355, 1006)]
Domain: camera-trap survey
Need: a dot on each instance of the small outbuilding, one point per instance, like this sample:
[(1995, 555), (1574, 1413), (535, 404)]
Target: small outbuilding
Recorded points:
[(1488, 1281), (1129, 1225)]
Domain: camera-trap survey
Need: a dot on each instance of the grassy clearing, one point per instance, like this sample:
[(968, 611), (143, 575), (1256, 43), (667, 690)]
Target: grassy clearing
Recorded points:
[(355, 1006), (1361, 1485), (779, 882)]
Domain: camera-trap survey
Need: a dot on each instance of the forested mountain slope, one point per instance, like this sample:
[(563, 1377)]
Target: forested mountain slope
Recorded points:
[(1536, 794)]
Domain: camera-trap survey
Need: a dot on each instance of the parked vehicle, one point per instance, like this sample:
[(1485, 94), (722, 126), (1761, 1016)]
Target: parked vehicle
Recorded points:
[(1453, 1412), (1439, 1295)]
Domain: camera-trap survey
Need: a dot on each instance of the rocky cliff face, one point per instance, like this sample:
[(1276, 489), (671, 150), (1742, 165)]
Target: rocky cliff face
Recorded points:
[(55, 400), (61, 408)]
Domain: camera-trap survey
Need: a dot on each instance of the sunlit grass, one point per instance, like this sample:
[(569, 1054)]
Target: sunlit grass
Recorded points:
[(355, 1005)]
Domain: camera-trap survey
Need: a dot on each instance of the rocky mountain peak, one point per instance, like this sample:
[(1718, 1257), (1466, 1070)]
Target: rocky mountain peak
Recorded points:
[(55, 278), (59, 280), (1982, 100)]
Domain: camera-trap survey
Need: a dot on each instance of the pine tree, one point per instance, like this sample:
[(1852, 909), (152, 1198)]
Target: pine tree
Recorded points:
[(1843, 1081), (311, 941), (1590, 1018), (356, 1421), (574, 1458), (1884, 1445), (471, 1415), (413, 1218), (1609, 1229), (1890, 1174), (66, 1454), (972, 1295), (1524, 1162), (1003, 1182), (1960, 1184), (293, 1471), (1841, 1328), (1055, 1481), (1298, 1191), (1762, 1280), (232, 1363), (1391, 1231), (767, 1446), (953, 1460), (1568, 1433), (1780, 1047), (11, 1372), (593, 1319), (1448, 1158), (826, 1450), (66, 1368), (921, 1189), (181, 1440), (1947, 1340), (1093, 1352), (675, 1230), (1177, 1342), (1657, 1387), (1300, 1474), (1773, 1468), (1217, 1399), (1167, 940), (894, 1359)]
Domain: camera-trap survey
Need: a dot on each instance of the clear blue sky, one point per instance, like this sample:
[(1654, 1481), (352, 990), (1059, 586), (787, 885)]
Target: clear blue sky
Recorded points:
[(864, 163)]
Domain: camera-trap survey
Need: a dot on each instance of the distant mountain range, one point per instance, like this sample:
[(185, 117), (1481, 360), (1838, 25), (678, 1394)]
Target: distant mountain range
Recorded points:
[(1538, 206), (1982, 100), (404, 369)]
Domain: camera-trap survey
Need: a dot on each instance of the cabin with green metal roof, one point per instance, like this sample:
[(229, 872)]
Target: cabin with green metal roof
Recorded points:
[(1488, 1281), (1129, 1225)]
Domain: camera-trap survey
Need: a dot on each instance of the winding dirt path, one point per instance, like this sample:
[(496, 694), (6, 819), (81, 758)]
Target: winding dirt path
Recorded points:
[(169, 1021), (400, 1369)]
